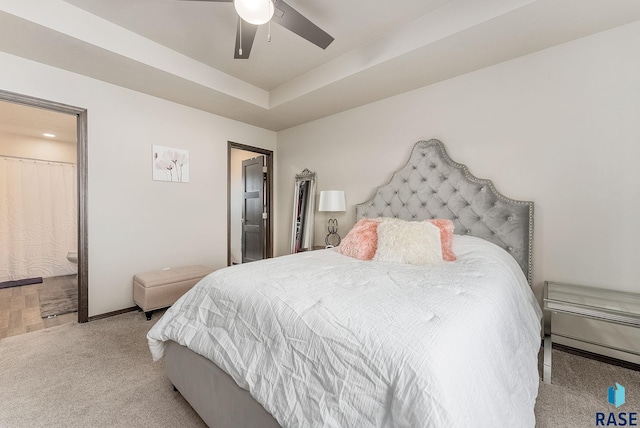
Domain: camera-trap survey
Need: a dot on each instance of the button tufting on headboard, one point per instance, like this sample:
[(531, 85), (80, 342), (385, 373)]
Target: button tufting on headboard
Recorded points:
[(431, 185)]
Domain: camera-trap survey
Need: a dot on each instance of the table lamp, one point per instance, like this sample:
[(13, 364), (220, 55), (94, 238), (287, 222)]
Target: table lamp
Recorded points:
[(332, 201)]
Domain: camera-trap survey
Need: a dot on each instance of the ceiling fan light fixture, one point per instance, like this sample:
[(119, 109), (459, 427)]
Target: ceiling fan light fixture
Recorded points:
[(256, 12)]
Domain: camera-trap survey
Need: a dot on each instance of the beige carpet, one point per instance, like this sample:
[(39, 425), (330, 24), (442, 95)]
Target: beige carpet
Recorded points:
[(579, 390), (101, 374), (97, 374)]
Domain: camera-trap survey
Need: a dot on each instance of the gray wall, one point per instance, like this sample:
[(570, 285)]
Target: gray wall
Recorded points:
[(559, 127), (136, 224)]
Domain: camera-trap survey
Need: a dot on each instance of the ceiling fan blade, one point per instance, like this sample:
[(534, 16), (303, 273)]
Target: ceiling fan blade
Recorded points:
[(248, 34), (292, 20)]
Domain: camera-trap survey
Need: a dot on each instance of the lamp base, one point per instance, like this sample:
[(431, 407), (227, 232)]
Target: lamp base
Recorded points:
[(332, 239)]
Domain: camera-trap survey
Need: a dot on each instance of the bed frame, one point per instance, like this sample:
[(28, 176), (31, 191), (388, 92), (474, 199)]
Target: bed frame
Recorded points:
[(430, 185)]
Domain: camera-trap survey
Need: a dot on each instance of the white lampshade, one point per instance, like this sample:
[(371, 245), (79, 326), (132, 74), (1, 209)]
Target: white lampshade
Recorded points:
[(332, 200), (256, 12)]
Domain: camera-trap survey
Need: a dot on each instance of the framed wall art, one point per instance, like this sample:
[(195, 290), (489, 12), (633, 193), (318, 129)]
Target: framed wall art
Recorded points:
[(170, 164)]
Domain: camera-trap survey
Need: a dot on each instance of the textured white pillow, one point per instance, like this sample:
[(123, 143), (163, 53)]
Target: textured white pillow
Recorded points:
[(413, 242)]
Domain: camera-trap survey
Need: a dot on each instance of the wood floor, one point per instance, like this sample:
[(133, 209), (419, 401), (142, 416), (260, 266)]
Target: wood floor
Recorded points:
[(20, 312)]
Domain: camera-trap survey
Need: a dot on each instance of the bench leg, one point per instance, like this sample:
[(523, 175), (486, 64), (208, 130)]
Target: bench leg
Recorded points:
[(148, 314)]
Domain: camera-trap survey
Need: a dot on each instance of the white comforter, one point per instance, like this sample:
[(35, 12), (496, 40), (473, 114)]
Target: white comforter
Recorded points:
[(324, 340)]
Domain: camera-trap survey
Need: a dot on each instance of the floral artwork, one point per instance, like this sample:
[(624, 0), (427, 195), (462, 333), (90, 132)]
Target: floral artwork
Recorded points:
[(170, 164)]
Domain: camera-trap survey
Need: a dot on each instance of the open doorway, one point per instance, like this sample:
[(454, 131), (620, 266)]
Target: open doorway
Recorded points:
[(53, 183), (249, 207)]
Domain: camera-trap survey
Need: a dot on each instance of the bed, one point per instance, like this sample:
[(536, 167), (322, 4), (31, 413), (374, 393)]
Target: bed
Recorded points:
[(322, 339)]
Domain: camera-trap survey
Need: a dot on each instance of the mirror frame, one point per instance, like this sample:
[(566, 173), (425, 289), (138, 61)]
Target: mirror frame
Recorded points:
[(309, 178)]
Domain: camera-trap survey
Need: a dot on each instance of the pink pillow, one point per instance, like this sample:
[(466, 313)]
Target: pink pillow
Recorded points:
[(446, 238), (362, 240)]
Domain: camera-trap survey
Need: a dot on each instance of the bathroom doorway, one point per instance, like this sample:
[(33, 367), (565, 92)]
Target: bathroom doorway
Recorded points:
[(44, 178)]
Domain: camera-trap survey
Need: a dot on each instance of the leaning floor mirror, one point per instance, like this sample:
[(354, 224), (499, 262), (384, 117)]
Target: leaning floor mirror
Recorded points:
[(304, 200)]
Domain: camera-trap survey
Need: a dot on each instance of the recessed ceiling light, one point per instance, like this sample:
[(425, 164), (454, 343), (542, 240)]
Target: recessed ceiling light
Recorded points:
[(49, 135)]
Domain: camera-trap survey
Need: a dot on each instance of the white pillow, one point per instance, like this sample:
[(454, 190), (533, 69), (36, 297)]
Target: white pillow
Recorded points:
[(412, 242)]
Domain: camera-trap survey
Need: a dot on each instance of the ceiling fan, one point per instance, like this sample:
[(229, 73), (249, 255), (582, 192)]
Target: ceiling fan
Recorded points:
[(252, 13)]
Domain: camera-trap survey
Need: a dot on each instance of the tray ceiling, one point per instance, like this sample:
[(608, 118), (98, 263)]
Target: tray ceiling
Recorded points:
[(183, 51)]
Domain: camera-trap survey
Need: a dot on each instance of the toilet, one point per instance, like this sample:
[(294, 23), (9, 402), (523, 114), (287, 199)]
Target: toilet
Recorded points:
[(72, 256)]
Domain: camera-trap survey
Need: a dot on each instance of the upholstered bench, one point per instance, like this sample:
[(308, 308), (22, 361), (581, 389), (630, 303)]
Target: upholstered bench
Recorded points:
[(161, 288)]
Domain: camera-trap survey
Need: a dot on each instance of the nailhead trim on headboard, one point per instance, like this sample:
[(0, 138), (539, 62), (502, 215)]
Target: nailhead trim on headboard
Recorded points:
[(431, 185)]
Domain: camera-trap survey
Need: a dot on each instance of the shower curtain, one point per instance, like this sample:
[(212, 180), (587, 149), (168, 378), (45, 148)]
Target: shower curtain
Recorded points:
[(38, 218)]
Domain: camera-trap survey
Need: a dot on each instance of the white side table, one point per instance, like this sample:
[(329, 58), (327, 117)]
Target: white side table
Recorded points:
[(590, 302)]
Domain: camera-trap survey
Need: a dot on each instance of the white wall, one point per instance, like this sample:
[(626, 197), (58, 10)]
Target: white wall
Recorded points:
[(37, 148), (136, 224), (560, 127)]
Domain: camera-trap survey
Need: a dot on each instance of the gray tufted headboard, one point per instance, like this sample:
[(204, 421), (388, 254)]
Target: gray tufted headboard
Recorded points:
[(431, 185)]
